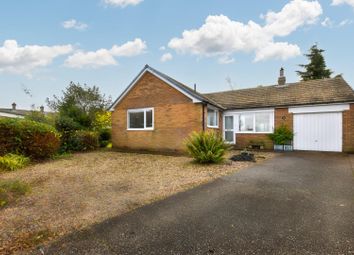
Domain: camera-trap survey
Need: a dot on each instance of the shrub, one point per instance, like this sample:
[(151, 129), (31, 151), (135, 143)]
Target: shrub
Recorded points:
[(11, 190), (12, 162), (82, 140), (105, 136), (206, 147), (66, 124), (29, 138), (282, 135)]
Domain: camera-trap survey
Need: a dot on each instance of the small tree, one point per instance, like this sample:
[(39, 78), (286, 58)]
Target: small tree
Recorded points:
[(80, 103), (317, 68)]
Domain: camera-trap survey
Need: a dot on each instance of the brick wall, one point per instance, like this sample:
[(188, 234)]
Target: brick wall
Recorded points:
[(176, 116), (348, 130), (281, 116), (244, 140)]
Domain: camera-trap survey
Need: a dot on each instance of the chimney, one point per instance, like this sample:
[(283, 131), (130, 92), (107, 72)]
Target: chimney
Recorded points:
[(195, 87), (282, 78), (41, 109), (14, 106)]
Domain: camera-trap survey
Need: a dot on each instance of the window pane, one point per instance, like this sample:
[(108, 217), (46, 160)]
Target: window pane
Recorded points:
[(263, 122), (246, 122), (229, 122), (149, 119), (229, 136), (136, 119), (212, 118)]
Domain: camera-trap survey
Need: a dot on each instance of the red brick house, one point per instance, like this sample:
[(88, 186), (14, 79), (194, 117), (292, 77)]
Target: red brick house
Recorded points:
[(157, 113)]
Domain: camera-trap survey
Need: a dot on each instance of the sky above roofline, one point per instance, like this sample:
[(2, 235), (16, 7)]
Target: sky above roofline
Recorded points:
[(219, 45)]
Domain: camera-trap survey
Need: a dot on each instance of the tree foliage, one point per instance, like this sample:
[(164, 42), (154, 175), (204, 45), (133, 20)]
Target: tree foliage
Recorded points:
[(80, 103), (316, 68)]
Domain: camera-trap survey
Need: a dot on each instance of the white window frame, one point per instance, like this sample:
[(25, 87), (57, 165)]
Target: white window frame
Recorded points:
[(217, 117), (254, 112), (271, 119), (141, 110)]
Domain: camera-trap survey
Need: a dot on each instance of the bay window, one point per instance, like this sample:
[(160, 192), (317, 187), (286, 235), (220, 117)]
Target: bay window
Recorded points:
[(140, 119)]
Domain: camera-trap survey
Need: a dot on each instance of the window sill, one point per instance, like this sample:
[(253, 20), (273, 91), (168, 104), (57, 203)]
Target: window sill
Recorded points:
[(255, 133), (216, 127), (140, 129)]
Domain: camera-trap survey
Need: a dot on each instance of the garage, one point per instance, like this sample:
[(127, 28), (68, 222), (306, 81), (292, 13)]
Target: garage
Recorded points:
[(318, 128), (318, 131)]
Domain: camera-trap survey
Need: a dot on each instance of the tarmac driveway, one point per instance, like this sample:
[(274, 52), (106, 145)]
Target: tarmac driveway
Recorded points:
[(295, 203)]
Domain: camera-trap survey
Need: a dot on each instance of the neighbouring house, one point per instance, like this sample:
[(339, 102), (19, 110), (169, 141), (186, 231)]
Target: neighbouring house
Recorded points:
[(13, 112), (157, 113)]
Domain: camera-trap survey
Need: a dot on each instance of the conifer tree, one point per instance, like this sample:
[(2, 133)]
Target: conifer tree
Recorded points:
[(317, 68)]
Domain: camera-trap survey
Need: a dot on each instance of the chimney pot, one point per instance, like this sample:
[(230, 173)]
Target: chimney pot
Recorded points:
[(14, 106), (282, 78), (195, 87)]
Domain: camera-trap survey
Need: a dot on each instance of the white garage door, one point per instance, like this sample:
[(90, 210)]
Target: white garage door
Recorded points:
[(318, 131)]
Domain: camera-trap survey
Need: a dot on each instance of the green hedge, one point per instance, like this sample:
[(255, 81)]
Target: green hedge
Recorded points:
[(80, 140), (29, 138)]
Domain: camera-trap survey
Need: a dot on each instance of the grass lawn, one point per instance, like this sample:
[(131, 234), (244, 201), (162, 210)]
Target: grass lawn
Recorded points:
[(72, 193)]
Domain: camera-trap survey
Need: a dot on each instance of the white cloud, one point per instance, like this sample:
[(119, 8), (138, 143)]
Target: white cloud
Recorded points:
[(293, 15), (74, 24), (122, 3), (105, 57), (225, 60), (327, 22), (278, 50), (129, 49), (339, 2), (166, 57), (91, 59), (162, 48), (221, 37), (24, 59), (345, 22)]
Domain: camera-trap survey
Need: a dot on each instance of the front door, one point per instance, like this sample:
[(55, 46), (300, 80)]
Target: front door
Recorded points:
[(229, 129)]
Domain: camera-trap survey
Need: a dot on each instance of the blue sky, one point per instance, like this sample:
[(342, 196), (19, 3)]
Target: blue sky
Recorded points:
[(46, 44)]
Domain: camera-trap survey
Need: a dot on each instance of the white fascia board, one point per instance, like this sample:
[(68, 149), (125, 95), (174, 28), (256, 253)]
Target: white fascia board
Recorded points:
[(9, 115), (195, 100), (256, 110), (320, 108)]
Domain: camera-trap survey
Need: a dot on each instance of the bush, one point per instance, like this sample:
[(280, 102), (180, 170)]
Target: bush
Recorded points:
[(105, 136), (66, 124), (282, 135), (29, 138), (206, 147), (11, 190), (12, 162), (81, 140)]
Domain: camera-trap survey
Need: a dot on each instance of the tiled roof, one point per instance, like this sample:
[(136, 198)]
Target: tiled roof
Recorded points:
[(15, 112), (185, 88), (333, 90)]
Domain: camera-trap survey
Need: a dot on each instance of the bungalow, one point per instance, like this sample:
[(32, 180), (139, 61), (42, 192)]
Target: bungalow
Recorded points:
[(157, 113), (17, 113)]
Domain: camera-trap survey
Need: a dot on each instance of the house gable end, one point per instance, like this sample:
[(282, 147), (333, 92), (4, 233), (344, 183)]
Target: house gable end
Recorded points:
[(141, 75)]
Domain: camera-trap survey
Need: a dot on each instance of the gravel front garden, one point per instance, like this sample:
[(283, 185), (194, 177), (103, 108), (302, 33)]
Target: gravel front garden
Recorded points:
[(72, 193)]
